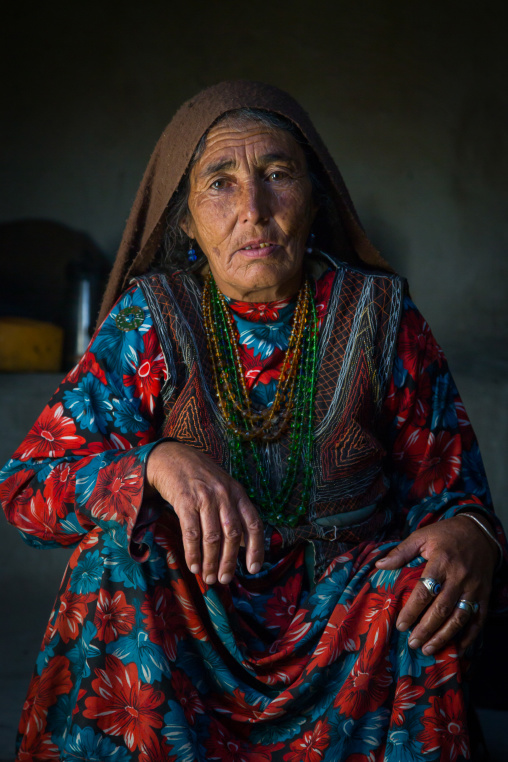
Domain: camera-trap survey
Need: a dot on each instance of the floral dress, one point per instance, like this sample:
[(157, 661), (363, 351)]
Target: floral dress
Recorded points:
[(143, 661)]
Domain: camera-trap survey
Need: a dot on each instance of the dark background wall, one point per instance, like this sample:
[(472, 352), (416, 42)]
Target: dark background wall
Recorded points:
[(410, 97)]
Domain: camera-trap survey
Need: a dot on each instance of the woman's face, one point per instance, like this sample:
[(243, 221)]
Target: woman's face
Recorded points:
[(251, 210)]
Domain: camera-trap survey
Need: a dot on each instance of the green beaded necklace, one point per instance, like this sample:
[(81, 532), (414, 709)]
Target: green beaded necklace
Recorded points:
[(272, 506)]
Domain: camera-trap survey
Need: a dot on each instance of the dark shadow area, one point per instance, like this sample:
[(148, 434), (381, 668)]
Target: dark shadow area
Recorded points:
[(53, 274)]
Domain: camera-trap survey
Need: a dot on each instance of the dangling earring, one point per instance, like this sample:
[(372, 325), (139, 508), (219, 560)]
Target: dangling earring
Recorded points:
[(310, 243), (191, 254)]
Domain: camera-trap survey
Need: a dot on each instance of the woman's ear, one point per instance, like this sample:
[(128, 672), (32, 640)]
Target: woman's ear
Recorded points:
[(187, 225)]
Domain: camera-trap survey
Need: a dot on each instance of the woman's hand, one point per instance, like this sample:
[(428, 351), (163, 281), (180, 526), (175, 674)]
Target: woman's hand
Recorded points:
[(213, 509), (462, 559)]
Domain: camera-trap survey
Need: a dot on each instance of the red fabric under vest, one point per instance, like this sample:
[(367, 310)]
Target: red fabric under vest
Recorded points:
[(356, 349)]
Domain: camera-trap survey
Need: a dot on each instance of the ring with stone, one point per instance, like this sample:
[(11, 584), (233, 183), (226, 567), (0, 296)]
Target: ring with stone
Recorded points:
[(471, 606), (433, 586)]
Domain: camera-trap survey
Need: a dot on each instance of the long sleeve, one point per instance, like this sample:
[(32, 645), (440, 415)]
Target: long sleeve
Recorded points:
[(436, 466), (82, 463)]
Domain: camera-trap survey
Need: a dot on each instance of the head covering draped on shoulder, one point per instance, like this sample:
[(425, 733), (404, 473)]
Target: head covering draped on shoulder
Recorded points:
[(145, 227)]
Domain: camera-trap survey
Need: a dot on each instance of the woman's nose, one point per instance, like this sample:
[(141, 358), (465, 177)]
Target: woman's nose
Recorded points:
[(254, 202)]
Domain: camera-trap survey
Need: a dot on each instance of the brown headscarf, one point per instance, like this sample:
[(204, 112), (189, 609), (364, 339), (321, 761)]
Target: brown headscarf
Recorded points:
[(145, 227)]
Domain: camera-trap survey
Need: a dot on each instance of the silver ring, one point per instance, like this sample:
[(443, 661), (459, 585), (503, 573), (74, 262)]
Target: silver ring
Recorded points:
[(433, 586), (472, 606)]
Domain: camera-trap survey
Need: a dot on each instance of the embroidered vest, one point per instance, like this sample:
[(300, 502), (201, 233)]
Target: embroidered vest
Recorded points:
[(356, 349)]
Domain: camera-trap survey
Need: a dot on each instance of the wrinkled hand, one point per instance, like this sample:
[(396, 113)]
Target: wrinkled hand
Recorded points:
[(462, 559), (213, 509)]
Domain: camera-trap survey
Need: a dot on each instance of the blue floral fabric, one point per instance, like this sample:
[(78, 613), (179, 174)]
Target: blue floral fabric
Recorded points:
[(143, 661)]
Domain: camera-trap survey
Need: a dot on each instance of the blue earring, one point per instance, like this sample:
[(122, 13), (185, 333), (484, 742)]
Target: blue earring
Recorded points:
[(191, 254), (310, 243)]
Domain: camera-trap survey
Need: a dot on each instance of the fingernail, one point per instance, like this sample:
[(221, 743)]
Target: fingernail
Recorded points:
[(210, 580), (255, 567), (402, 626), (226, 579), (415, 643), (195, 568), (428, 649), (381, 561)]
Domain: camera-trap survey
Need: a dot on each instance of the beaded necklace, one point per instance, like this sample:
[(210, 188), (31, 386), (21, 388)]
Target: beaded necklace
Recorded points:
[(292, 407)]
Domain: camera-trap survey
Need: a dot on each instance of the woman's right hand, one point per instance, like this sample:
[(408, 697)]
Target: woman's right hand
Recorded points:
[(213, 509)]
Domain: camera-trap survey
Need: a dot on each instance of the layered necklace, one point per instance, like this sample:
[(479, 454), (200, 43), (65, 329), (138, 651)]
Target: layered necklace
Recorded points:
[(292, 407)]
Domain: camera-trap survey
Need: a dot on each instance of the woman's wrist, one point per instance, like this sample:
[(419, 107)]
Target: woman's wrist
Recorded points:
[(482, 522), (157, 458)]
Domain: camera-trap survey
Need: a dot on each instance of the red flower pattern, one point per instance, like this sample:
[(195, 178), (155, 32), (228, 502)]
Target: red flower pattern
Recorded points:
[(187, 608), (297, 629), (118, 490), (443, 670), (17, 487), (434, 461), (322, 296), (157, 752), (187, 696), (445, 728), (439, 466), (123, 705), (51, 436), (163, 620), (59, 488), (333, 642), (42, 694), (259, 312), (113, 616), (311, 747), (115, 442), (88, 364), (72, 614), (366, 687), (406, 697), (150, 370), (281, 608), (378, 616), (417, 344), (41, 520), (259, 374), (38, 749), (15, 490)]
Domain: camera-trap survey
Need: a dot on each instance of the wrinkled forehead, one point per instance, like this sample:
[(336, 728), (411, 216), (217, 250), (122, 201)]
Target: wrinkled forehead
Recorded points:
[(233, 139)]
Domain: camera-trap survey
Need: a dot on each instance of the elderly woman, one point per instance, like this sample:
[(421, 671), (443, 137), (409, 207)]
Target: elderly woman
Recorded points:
[(283, 533)]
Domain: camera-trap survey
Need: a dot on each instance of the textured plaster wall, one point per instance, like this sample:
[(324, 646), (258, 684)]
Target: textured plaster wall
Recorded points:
[(410, 97)]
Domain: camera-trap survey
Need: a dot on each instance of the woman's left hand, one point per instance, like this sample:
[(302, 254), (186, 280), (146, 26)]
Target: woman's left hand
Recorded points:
[(460, 557)]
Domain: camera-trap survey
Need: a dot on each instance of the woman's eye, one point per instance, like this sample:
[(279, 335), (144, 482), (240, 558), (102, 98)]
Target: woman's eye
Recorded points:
[(277, 175), (218, 184)]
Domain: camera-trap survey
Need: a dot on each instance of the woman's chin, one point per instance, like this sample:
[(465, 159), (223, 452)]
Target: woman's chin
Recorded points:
[(262, 283)]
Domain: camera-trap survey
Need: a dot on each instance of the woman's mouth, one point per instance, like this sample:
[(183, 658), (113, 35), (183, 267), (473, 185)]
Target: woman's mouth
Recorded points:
[(258, 250)]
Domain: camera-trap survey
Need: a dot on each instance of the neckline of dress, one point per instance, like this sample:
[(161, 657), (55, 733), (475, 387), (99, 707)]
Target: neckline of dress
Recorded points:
[(276, 304)]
